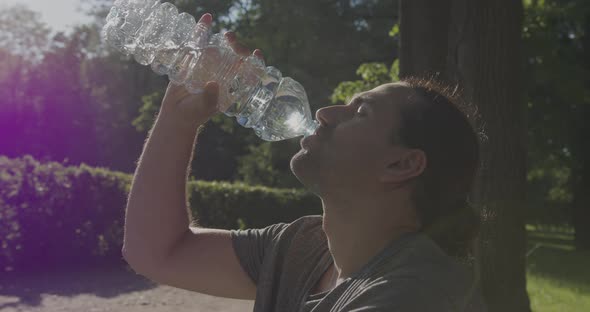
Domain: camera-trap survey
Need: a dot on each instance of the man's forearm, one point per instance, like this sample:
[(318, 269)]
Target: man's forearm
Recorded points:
[(156, 214)]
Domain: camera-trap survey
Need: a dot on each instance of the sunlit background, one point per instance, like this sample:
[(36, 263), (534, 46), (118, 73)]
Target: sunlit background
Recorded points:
[(74, 116), (60, 15)]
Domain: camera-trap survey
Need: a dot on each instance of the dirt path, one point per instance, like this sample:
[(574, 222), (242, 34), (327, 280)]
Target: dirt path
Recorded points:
[(101, 290)]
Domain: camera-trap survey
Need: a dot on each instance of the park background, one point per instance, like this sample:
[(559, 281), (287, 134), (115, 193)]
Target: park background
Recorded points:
[(74, 115)]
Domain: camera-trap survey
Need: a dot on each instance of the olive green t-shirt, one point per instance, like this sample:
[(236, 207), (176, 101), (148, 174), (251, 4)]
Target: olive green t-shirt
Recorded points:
[(286, 261)]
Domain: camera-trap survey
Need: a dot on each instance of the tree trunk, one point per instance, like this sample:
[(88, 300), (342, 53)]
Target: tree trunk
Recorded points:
[(581, 211), (423, 37), (581, 155), (483, 57), (580, 180)]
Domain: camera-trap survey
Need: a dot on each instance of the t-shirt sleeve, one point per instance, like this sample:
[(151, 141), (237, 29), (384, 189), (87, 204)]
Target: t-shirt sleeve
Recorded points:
[(251, 246)]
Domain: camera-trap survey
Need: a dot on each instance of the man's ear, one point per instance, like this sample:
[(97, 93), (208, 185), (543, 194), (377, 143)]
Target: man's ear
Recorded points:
[(403, 167)]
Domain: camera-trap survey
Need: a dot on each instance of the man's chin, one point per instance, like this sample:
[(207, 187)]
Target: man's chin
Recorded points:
[(304, 166), (300, 161)]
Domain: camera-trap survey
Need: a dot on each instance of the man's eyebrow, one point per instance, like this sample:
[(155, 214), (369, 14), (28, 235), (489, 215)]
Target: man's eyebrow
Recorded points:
[(351, 98), (358, 97)]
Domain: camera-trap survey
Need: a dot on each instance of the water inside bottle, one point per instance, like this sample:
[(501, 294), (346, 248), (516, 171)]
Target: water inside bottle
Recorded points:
[(276, 108)]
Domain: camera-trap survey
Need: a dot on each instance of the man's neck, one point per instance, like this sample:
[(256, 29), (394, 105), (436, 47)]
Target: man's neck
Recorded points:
[(358, 231)]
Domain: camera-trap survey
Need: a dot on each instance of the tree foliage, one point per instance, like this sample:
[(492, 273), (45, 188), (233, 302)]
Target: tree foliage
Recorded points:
[(557, 42), (371, 74), (72, 101), (22, 33)]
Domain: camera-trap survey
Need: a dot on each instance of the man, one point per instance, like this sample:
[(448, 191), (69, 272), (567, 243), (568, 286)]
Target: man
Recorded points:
[(393, 169)]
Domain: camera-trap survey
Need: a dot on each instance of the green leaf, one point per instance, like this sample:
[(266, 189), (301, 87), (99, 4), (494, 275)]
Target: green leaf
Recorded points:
[(394, 72), (147, 112), (394, 31)]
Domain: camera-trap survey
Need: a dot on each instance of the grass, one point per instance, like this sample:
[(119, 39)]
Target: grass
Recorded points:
[(558, 276)]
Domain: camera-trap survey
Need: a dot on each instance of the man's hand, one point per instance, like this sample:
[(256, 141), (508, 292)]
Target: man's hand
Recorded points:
[(191, 110)]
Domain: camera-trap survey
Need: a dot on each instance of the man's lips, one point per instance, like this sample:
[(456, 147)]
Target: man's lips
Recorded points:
[(309, 140), (320, 131), (306, 141)]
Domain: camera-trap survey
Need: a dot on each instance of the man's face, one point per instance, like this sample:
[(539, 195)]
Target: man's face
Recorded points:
[(352, 148)]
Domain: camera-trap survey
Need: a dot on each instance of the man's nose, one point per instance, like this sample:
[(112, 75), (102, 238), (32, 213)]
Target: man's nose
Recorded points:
[(329, 116)]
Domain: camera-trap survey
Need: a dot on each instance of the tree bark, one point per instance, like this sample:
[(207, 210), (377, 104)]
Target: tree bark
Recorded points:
[(483, 56), (423, 37), (581, 155), (581, 211)]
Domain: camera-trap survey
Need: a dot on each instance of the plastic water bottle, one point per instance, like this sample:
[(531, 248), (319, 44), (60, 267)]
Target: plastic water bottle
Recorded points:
[(174, 44)]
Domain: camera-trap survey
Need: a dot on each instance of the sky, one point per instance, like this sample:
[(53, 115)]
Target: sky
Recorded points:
[(60, 15)]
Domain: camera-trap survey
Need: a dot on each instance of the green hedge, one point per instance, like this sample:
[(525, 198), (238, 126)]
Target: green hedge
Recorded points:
[(237, 205), (52, 216)]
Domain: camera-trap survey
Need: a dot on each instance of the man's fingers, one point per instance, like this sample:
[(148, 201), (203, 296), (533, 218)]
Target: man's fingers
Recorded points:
[(206, 19), (177, 89), (231, 38), (239, 48), (258, 54)]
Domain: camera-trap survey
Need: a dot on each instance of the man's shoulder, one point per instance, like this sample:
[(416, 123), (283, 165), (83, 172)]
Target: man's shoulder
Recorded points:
[(421, 258), (309, 220), (307, 228), (304, 224), (421, 275), (401, 293), (412, 293), (426, 261)]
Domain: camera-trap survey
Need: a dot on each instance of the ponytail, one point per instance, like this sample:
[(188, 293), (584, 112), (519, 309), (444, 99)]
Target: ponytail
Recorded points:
[(436, 121), (455, 231)]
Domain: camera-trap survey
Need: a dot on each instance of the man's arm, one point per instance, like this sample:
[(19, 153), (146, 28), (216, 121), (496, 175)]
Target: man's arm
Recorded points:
[(158, 242)]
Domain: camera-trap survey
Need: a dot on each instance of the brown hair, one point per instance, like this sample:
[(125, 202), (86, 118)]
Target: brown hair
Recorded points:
[(436, 121)]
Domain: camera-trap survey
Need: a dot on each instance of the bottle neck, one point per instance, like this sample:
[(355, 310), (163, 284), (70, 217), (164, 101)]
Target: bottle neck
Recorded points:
[(311, 127)]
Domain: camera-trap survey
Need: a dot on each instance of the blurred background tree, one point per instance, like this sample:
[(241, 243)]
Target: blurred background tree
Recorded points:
[(557, 57)]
